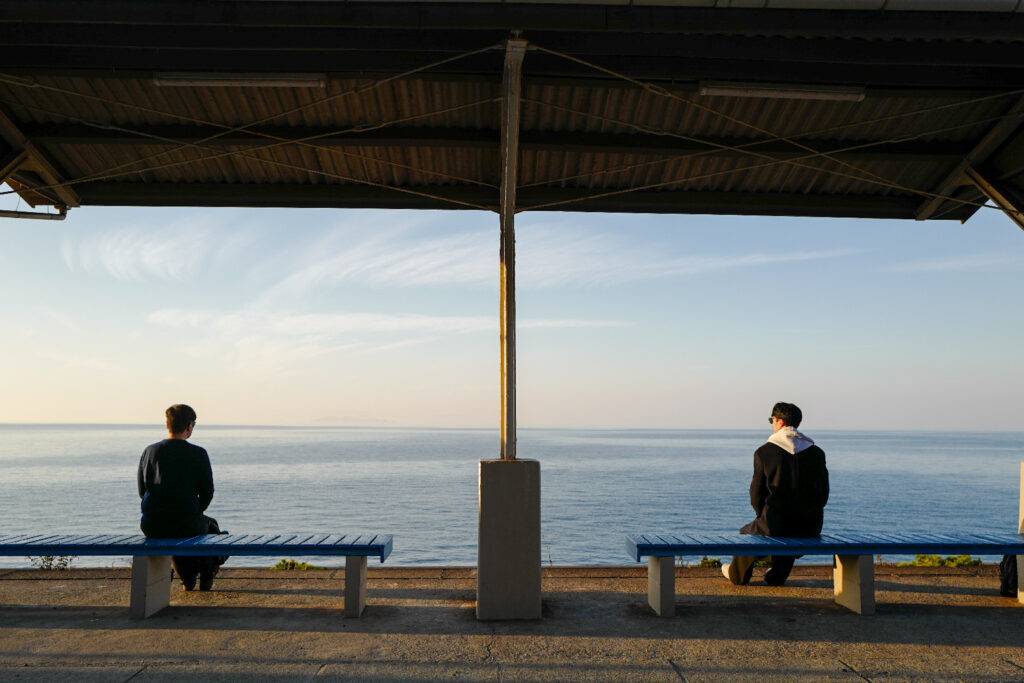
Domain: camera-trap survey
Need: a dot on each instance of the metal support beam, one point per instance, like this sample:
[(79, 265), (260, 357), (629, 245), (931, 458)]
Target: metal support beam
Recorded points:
[(515, 50), (352, 195), (184, 17), (11, 163), (35, 160), (981, 152), (859, 149), (999, 194), (36, 215)]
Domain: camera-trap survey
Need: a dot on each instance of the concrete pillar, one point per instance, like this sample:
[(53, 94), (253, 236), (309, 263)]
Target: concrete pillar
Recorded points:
[(355, 585), (151, 585), (508, 584), (854, 578), (661, 585)]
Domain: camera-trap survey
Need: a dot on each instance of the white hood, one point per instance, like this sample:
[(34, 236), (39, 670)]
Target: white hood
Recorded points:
[(790, 440)]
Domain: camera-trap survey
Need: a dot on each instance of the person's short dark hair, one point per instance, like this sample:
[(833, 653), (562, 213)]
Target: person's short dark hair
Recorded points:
[(179, 417), (788, 412)]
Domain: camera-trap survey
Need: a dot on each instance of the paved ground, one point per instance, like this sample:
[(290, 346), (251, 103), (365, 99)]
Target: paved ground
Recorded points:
[(931, 625)]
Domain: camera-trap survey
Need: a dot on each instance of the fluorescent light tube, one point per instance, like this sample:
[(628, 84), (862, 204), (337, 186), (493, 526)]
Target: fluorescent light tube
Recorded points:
[(241, 80), (782, 91)]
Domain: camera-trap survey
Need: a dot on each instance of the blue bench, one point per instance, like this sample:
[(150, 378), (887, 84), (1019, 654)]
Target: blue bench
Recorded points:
[(151, 563), (854, 573)]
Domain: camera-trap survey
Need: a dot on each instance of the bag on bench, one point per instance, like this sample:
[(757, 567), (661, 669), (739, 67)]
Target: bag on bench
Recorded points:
[(1008, 576)]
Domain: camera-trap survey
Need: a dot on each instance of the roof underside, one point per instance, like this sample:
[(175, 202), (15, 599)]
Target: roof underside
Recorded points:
[(397, 105)]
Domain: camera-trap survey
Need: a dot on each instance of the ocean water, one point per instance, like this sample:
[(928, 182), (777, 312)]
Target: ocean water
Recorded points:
[(421, 484)]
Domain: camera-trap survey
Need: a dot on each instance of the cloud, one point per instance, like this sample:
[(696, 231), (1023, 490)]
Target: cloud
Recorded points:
[(253, 339), (394, 257), (552, 257), (955, 263), (321, 325), (548, 255), (174, 252)]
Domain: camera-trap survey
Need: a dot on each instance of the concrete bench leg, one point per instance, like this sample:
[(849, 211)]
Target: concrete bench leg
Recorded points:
[(661, 585), (854, 578), (151, 585), (355, 585), (1020, 584)]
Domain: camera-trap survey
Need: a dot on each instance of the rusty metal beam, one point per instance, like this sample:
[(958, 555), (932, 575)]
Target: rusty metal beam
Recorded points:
[(364, 196), (36, 160), (10, 163), (1007, 198), (511, 105), (981, 152)]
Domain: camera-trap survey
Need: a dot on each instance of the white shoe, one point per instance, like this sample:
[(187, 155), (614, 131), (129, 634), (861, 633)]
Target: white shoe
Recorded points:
[(725, 571), (731, 572)]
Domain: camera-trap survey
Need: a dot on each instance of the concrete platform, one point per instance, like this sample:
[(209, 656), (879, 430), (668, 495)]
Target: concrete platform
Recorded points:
[(931, 625)]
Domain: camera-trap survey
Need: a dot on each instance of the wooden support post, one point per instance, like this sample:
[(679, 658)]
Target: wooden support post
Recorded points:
[(355, 585), (151, 585), (854, 578), (515, 50), (661, 585)]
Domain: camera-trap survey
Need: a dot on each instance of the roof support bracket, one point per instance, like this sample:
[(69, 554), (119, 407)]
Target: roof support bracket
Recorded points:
[(11, 163), (515, 50), (1008, 201), (35, 160), (981, 152)]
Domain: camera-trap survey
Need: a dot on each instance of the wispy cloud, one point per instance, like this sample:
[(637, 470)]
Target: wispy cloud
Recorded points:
[(336, 324), (553, 257), (954, 263), (393, 257), (174, 252), (548, 255), (259, 339)]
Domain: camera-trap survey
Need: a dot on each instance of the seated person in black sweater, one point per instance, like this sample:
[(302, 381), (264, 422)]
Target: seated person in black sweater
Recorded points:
[(789, 491), (176, 487)]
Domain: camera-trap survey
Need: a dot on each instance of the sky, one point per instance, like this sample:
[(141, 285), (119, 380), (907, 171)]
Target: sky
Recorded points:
[(390, 318)]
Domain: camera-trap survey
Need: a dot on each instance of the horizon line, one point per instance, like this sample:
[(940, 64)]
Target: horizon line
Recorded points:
[(496, 429)]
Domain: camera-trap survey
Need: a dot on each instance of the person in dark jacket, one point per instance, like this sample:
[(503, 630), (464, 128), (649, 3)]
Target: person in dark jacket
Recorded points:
[(176, 486), (789, 491)]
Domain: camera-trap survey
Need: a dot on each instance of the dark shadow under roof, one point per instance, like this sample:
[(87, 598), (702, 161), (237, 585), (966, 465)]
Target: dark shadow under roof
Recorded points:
[(625, 108)]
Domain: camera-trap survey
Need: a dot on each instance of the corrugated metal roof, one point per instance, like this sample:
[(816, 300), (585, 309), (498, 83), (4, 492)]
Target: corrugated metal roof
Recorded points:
[(846, 5), (590, 140)]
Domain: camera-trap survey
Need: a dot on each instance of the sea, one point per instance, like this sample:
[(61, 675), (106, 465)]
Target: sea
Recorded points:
[(421, 484)]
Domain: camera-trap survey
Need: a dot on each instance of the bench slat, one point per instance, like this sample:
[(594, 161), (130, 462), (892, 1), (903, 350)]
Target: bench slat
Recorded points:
[(240, 538), (642, 545), (378, 545), (19, 538), (77, 539), (43, 538), (328, 539)]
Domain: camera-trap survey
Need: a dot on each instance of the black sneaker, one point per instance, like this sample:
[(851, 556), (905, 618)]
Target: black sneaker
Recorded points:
[(188, 578), (206, 580)]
